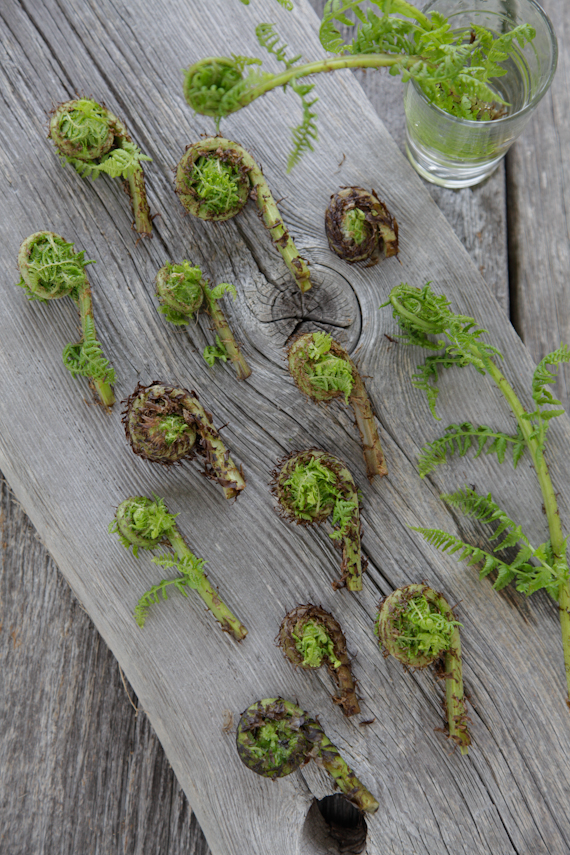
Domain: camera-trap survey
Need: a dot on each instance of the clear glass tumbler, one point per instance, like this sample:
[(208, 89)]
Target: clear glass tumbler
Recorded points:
[(456, 152)]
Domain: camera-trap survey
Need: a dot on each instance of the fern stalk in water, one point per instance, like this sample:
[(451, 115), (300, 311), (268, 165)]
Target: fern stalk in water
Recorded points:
[(453, 69), (422, 314)]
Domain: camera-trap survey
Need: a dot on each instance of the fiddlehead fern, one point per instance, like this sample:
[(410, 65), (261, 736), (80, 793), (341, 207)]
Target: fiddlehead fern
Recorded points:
[(359, 226), (182, 292), (422, 314), (323, 370), (214, 180), (309, 636), (417, 626), (49, 269), (312, 486), (276, 737), (145, 524), (166, 424), (95, 142)]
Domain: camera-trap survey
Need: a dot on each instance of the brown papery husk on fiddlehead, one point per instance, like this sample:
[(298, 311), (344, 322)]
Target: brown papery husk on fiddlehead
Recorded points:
[(380, 229), (448, 661), (298, 355), (292, 625), (149, 405)]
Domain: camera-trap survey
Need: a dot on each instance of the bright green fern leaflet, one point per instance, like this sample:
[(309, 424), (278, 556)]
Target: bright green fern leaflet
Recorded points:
[(423, 629), (329, 372), (315, 644)]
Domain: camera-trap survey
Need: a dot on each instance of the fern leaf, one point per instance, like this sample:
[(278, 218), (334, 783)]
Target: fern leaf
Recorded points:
[(484, 509), (459, 438), (305, 134), (543, 376)]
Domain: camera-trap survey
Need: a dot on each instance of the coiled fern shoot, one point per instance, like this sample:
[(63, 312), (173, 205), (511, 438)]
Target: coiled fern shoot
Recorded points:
[(95, 142), (459, 342), (312, 486), (214, 180), (50, 268), (275, 737), (323, 370)]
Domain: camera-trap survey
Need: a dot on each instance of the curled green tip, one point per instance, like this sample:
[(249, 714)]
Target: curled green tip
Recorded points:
[(143, 523)]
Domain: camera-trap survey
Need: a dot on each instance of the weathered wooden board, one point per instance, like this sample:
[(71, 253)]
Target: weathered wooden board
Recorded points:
[(481, 801)]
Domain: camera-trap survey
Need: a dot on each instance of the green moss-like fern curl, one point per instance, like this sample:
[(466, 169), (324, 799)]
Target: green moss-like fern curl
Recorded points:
[(167, 424), (359, 226), (214, 180), (179, 290), (142, 523), (417, 626), (310, 637), (95, 142), (323, 370), (311, 486), (275, 737), (51, 268)]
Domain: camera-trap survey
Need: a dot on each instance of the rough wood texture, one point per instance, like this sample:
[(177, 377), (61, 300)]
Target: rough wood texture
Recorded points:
[(539, 202), (489, 785)]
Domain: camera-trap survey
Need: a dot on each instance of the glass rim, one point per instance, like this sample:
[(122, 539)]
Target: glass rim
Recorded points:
[(536, 97)]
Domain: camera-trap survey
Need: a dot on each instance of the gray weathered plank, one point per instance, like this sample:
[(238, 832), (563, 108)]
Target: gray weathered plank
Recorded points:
[(539, 201), (446, 832)]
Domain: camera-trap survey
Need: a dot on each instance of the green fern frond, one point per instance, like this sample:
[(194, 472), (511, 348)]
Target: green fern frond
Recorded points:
[(306, 133), (484, 509), (543, 376), (420, 314), (223, 288), (269, 38), (120, 162), (459, 438), (446, 542)]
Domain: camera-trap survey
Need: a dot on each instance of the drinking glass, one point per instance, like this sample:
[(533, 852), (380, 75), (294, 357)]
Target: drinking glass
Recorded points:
[(456, 152)]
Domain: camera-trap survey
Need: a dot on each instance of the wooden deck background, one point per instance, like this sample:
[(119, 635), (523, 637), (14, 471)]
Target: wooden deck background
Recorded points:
[(81, 770)]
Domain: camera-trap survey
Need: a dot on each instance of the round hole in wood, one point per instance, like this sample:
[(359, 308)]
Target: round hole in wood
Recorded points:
[(333, 826)]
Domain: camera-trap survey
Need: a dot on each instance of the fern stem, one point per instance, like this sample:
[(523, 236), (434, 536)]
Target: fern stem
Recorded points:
[(378, 60), (219, 320), (141, 210), (373, 454), (223, 615), (85, 304), (550, 506), (273, 222), (454, 701)]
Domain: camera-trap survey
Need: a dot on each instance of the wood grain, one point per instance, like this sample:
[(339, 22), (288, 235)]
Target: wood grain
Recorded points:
[(488, 808)]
